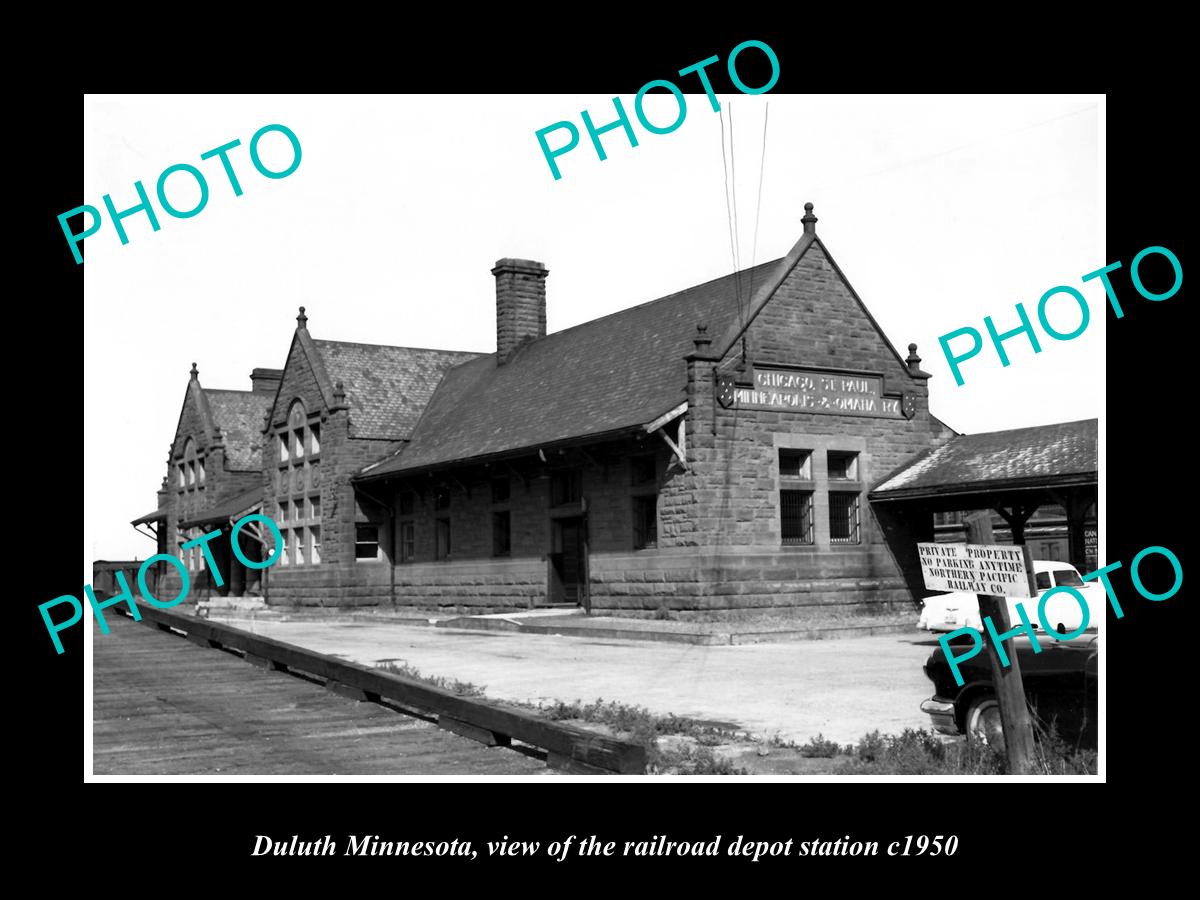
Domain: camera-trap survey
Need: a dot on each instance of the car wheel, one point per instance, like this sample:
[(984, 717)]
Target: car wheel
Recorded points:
[(982, 722)]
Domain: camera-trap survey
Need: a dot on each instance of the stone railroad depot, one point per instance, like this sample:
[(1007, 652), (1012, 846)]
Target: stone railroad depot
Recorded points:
[(675, 455)]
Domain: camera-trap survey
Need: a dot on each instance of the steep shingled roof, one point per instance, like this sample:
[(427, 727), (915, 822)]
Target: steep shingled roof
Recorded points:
[(1043, 455), (239, 415), (386, 387), (616, 372), (227, 508)]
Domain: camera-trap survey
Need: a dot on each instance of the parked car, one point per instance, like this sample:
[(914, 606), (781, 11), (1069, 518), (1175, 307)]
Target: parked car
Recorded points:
[(1060, 686), (947, 612)]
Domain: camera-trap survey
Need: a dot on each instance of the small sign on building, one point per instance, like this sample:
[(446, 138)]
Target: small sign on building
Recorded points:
[(993, 569)]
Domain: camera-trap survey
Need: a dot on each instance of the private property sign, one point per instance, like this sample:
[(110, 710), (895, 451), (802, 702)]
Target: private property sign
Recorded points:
[(975, 568)]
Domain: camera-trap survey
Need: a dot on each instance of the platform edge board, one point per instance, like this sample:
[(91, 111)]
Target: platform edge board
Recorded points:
[(569, 742)]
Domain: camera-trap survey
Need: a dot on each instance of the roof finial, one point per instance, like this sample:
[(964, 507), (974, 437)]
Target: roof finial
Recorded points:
[(339, 393), (701, 340), (195, 372), (809, 220), (914, 363), (302, 319)]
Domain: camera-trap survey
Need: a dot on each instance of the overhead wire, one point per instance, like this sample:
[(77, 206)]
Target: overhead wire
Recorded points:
[(729, 214)]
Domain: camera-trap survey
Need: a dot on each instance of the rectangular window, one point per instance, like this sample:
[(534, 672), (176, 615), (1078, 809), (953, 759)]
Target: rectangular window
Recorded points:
[(843, 465), (442, 546), (191, 474), (314, 509), (284, 555), (182, 479), (314, 433), (408, 541), (645, 521), (200, 469), (796, 517), (643, 470), (407, 503), (500, 533), (315, 531), (843, 517), (500, 490), (795, 464), (298, 443), (565, 487), (301, 549), (441, 498), (283, 448), (366, 541)]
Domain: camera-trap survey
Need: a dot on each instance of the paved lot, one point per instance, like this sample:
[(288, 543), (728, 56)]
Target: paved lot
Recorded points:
[(840, 688), (163, 706)]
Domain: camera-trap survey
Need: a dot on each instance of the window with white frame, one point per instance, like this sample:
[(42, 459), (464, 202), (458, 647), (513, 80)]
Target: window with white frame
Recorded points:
[(189, 470), (298, 487)]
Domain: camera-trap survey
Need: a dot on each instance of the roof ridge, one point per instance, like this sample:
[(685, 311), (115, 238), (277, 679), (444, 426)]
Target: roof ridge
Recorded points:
[(1029, 427), (396, 347), (645, 303)]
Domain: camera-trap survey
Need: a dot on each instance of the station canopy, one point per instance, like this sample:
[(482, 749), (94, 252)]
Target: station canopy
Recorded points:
[(1043, 464)]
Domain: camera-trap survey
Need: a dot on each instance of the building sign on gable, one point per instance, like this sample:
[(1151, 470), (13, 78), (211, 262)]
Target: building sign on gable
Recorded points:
[(814, 391)]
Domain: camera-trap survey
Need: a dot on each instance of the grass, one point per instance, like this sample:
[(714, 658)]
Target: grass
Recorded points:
[(920, 752), (638, 724), (464, 688), (912, 752)]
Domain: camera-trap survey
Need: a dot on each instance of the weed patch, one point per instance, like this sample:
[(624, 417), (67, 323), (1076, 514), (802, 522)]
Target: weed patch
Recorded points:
[(463, 688)]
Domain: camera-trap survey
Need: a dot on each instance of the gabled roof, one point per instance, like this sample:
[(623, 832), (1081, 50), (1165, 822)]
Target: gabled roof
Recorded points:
[(1041, 456), (239, 415), (613, 373), (386, 387)]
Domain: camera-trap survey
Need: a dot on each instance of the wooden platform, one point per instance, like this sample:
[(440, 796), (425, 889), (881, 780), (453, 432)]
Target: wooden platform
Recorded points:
[(163, 706)]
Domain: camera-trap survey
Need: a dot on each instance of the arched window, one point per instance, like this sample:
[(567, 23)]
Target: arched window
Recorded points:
[(190, 494), (298, 487)]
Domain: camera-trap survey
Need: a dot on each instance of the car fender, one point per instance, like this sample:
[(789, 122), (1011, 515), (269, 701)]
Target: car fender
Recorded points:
[(965, 696)]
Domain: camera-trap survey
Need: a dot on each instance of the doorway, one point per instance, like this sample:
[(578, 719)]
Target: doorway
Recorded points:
[(568, 562)]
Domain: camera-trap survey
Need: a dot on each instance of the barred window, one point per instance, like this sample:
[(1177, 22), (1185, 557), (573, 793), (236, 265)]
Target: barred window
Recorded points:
[(843, 517), (796, 516)]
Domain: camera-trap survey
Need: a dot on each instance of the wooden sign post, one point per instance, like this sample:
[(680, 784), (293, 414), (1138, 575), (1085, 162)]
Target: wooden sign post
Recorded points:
[(1010, 692)]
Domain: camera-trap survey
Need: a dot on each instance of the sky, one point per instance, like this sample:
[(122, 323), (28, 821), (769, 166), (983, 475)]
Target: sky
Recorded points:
[(939, 210)]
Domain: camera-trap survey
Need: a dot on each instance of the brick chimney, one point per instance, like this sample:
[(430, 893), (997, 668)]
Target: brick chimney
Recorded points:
[(520, 304), (265, 381)]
